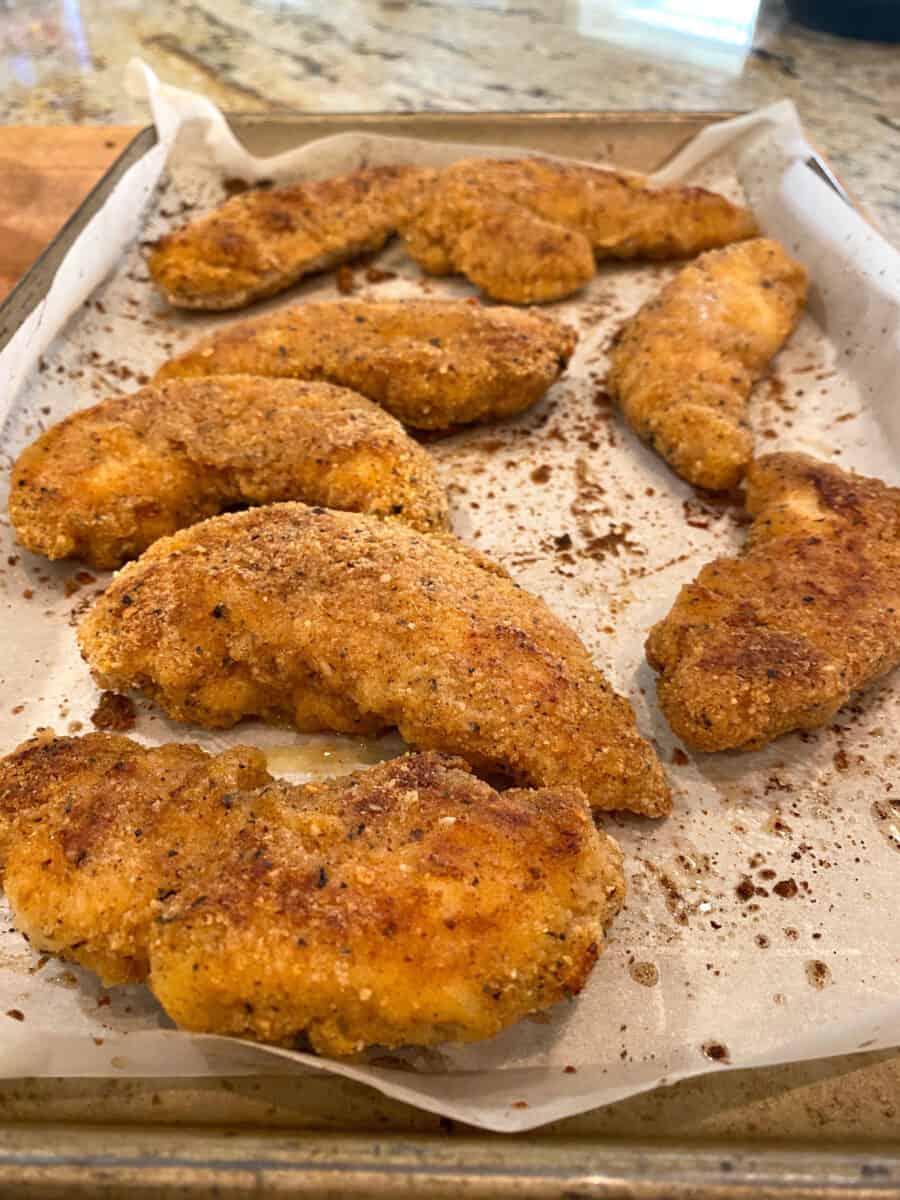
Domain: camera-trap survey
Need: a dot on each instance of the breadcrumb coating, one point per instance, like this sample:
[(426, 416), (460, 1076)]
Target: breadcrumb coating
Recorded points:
[(260, 242), (106, 482), (529, 230), (432, 363), (328, 620), (780, 638), (683, 368), (406, 904)]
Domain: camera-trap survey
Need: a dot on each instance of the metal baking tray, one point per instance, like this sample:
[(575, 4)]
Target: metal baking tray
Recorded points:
[(799, 1131)]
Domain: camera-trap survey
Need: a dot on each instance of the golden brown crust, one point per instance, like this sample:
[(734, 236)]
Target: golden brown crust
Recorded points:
[(528, 230), (106, 482), (410, 904), (682, 369), (432, 363), (259, 243), (329, 620), (407, 904), (94, 830), (779, 638)]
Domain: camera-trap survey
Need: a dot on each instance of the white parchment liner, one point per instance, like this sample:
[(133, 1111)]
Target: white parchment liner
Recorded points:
[(698, 975)]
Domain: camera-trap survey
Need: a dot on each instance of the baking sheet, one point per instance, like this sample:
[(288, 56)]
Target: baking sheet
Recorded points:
[(696, 978)]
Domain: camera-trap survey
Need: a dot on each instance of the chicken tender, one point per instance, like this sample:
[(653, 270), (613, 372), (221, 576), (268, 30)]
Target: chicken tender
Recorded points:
[(262, 241), (95, 830), (780, 638), (328, 620), (432, 363), (406, 904), (106, 482), (529, 230), (410, 904), (683, 368)]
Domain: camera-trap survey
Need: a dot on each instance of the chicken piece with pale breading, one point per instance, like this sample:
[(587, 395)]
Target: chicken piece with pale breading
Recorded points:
[(406, 904), (432, 363), (262, 241), (780, 638), (106, 482), (683, 368), (529, 230), (329, 620)]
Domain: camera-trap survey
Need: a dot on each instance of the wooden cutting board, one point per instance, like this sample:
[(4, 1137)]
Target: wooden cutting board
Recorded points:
[(45, 173)]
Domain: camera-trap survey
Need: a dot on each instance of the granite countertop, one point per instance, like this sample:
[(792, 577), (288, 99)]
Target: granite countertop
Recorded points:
[(62, 61)]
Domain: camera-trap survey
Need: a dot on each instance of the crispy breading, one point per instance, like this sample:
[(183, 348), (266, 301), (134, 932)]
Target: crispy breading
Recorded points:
[(683, 368), (95, 829), (432, 363), (529, 230), (262, 241), (329, 620), (406, 904), (780, 638), (106, 482), (410, 904)]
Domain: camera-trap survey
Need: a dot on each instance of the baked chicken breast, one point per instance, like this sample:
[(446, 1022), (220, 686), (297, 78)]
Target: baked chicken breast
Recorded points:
[(780, 638), (432, 363), (406, 904), (106, 482), (263, 240), (683, 368), (327, 620), (529, 230)]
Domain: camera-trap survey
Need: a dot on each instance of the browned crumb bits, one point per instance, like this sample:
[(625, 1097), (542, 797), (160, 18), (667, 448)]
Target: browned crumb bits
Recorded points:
[(115, 712), (343, 278), (717, 1052), (818, 974), (644, 973), (785, 888)]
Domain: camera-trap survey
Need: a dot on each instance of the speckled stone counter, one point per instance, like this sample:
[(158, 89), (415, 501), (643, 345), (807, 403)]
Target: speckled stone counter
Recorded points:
[(61, 61)]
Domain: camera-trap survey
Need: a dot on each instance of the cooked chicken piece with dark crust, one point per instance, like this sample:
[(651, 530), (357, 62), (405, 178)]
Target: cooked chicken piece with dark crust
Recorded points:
[(328, 620), (432, 363), (683, 368), (406, 904), (262, 241), (95, 830), (106, 482), (528, 230), (780, 638)]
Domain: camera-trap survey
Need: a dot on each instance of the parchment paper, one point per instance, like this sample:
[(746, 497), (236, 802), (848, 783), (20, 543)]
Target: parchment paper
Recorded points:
[(759, 925)]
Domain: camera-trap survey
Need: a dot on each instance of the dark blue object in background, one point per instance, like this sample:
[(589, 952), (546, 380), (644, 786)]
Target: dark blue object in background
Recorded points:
[(869, 20)]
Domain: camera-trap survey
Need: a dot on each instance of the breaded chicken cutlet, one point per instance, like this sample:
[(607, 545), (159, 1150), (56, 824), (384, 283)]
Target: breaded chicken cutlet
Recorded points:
[(524, 230), (406, 904), (432, 363), (328, 620), (780, 638), (683, 368), (262, 241), (529, 230), (106, 482)]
